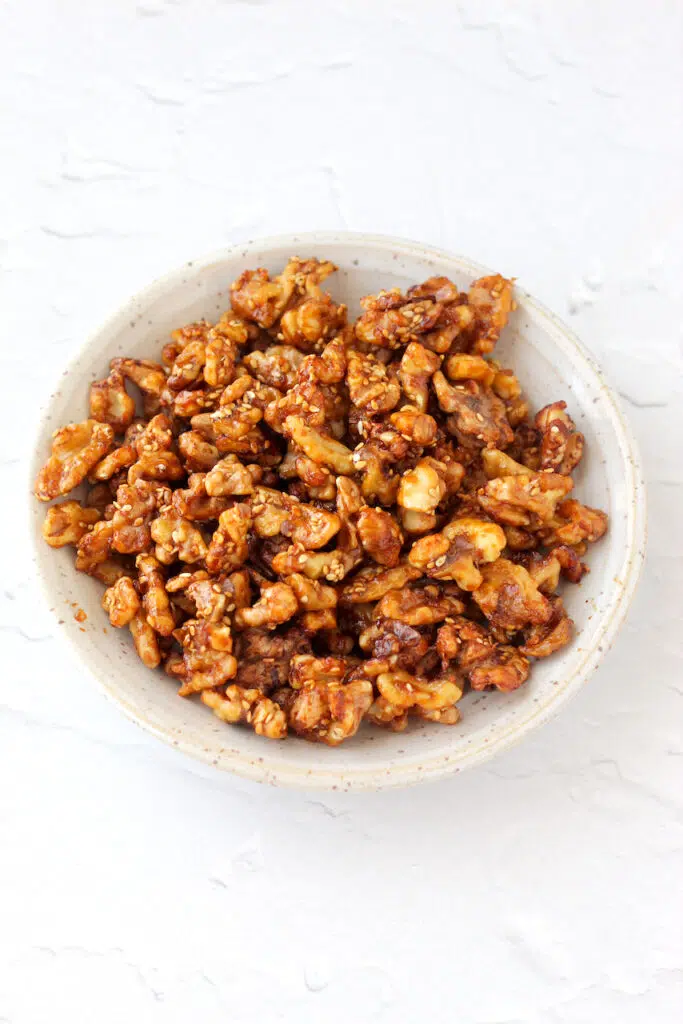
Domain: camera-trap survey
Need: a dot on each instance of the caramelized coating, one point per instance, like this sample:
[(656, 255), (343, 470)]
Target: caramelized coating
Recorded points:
[(121, 602), (509, 597), (67, 523), (111, 403), (561, 443), (317, 523), (76, 449)]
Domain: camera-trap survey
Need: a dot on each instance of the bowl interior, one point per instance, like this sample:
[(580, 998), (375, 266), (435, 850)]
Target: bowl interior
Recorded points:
[(550, 364)]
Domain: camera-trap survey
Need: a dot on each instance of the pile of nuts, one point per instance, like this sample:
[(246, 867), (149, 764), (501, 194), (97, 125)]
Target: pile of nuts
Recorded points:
[(315, 523)]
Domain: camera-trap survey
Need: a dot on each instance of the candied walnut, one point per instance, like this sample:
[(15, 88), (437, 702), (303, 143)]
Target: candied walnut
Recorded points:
[(311, 595), (277, 366), (394, 644), (319, 481), (441, 289), (176, 537), (416, 369), (475, 412), (496, 464), (156, 436), (421, 488), (391, 321), (255, 297), (250, 707), (145, 640), (526, 499), (370, 387), (113, 463), (519, 539), (229, 547), (371, 583), (67, 523), (208, 661), (94, 547), (311, 321), (509, 598), (490, 299), (162, 465), (544, 639), (195, 503), (76, 449), (380, 535), (181, 337), (155, 600), (230, 477), (561, 443), (188, 367), (135, 507), (461, 366), (544, 569), (147, 376), (403, 690), (264, 657), (505, 668), (319, 447), (415, 426), (457, 552), (198, 454), (194, 401), (111, 403), (277, 604), (121, 602), (325, 708), (220, 359), (328, 565), (571, 566), (420, 606), (275, 512), (574, 522)]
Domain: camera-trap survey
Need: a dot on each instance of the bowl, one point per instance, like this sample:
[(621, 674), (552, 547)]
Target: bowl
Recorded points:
[(551, 364)]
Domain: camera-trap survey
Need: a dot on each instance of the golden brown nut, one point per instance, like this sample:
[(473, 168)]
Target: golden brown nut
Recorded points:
[(389, 321), (574, 523), (135, 507), (198, 454), (145, 640), (490, 298), (476, 413), (147, 376), (370, 387), (155, 600), (509, 598), (176, 537), (248, 706), (76, 449), (402, 690), (67, 522), (561, 443), (526, 500), (544, 639), (111, 403), (195, 503), (416, 369), (421, 488), (319, 447), (231, 477), (505, 668), (457, 552), (277, 604), (372, 583), (113, 463), (380, 535), (121, 602), (419, 606), (229, 546), (94, 547), (208, 661), (277, 366), (461, 366)]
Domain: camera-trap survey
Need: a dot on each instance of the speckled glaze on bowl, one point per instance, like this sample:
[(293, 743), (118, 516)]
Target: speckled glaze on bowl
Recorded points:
[(551, 364)]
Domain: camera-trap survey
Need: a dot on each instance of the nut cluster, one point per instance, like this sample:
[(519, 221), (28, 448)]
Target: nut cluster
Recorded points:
[(315, 522)]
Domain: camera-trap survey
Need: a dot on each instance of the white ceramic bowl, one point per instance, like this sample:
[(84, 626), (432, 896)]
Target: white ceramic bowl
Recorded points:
[(551, 364)]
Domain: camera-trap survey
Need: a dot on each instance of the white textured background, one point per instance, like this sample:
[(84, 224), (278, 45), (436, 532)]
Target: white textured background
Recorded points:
[(543, 139)]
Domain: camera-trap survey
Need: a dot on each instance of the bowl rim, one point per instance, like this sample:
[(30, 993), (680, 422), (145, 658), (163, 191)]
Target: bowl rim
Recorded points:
[(437, 765)]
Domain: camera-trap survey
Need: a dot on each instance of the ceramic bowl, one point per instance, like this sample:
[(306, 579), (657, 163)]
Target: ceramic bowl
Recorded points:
[(550, 362)]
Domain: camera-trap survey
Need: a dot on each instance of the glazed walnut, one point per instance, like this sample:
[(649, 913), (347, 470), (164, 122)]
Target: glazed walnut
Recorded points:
[(317, 523)]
